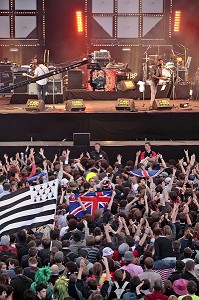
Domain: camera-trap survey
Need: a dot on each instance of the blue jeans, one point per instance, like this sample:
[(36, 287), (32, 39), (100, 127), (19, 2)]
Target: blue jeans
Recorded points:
[(41, 91)]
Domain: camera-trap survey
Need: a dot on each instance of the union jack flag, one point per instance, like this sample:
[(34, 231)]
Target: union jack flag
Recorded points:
[(91, 201), (145, 173)]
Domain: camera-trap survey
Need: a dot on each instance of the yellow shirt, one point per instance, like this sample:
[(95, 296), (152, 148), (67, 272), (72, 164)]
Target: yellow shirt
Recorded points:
[(194, 297)]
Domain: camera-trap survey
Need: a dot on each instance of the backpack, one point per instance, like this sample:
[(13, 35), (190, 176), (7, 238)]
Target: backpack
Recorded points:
[(120, 290)]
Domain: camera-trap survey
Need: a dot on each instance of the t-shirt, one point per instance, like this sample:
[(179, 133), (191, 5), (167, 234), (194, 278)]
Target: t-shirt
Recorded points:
[(41, 70), (145, 154), (194, 297)]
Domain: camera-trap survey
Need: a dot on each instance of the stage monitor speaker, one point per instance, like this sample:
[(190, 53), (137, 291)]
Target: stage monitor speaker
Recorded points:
[(125, 85), (75, 79), (162, 104), (75, 105), (81, 139), (125, 104), (35, 105)]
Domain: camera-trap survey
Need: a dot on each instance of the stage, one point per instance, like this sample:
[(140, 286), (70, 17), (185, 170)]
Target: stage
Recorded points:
[(102, 121)]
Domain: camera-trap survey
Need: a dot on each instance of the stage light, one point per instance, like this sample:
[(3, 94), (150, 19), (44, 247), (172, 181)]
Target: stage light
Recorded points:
[(79, 20), (177, 21)]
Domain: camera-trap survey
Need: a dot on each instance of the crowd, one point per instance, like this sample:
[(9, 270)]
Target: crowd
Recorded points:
[(143, 245)]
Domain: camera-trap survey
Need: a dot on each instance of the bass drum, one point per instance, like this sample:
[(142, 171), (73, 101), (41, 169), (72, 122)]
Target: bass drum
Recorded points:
[(110, 79)]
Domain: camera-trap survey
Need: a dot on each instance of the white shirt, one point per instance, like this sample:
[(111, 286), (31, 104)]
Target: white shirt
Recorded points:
[(41, 70)]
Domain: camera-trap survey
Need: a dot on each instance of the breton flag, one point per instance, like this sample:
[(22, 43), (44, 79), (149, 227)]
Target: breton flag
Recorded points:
[(145, 173), (28, 208), (91, 201)]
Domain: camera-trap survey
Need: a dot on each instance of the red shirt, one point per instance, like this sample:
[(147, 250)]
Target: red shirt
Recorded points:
[(145, 154), (156, 296)]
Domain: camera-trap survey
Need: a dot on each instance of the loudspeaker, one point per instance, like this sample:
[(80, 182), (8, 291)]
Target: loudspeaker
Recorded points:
[(18, 77), (81, 139), (56, 85), (75, 105), (125, 104), (162, 104), (35, 105), (125, 85), (75, 79)]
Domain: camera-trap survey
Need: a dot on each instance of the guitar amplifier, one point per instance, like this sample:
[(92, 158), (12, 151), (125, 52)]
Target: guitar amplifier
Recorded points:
[(6, 75), (55, 85), (125, 85), (35, 105), (18, 77)]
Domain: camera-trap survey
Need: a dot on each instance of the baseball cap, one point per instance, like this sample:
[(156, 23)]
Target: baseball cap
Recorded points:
[(107, 251), (128, 256), (123, 248), (5, 240)]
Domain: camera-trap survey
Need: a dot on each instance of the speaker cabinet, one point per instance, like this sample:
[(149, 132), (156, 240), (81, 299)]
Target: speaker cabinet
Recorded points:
[(125, 104), (35, 105), (54, 86), (162, 104), (18, 77), (75, 79), (125, 85), (81, 139), (75, 105)]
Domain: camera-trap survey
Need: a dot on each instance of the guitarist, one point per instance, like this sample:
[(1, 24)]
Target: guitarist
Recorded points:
[(156, 75), (41, 69)]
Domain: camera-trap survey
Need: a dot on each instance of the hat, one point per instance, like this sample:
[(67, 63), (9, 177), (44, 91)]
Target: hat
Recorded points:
[(64, 181), (123, 248), (98, 212), (167, 179), (59, 256), (197, 258), (164, 174), (128, 256), (107, 251), (180, 287), (5, 240)]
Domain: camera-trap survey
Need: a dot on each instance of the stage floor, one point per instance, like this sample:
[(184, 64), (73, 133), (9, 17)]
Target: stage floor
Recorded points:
[(101, 106), (102, 121)]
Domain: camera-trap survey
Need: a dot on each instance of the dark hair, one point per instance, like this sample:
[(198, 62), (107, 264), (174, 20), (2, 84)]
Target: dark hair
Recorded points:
[(21, 236), (189, 265), (54, 234), (180, 265), (191, 287), (18, 270), (92, 283), (148, 143), (33, 251), (14, 262), (149, 262), (2, 288), (40, 286), (157, 285), (29, 295), (46, 243)]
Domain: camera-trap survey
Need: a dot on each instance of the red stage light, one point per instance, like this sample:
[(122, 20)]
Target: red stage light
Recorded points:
[(177, 21), (79, 20)]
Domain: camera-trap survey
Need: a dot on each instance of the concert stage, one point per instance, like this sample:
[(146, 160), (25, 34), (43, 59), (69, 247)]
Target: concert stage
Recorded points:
[(102, 121)]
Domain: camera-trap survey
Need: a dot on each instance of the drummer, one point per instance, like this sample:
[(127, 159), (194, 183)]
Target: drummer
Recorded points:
[(112, 64)]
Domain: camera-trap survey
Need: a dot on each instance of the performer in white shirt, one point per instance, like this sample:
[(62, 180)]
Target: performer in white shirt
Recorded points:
[(41, 69)]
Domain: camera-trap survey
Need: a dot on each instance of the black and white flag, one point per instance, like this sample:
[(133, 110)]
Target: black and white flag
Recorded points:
[(28, 208)]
